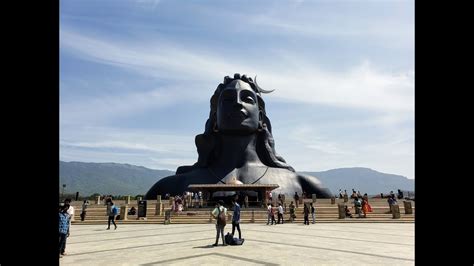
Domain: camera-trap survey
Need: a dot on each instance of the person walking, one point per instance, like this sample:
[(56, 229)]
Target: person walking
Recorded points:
[(112, 211)]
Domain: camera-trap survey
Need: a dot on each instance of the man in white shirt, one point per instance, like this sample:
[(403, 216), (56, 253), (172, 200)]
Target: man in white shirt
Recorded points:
[(280, 213), (219, 223), (70, 211)]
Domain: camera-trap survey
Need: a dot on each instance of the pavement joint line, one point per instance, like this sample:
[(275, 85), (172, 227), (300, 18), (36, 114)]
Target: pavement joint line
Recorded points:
[(331, 237), (333, 249), (211, 254)]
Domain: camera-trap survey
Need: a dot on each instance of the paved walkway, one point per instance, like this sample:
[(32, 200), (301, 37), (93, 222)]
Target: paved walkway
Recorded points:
[(287, 244)]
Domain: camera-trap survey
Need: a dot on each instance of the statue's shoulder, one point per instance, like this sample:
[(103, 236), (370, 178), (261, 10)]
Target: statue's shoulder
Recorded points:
[(194, 176), (308, 178), (281, 171)]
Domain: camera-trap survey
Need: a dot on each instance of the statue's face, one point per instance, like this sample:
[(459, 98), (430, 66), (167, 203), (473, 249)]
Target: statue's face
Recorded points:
[(237, 109)]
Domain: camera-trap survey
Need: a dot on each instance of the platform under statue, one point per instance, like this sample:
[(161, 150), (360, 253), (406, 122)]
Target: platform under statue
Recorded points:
[(237, 144)]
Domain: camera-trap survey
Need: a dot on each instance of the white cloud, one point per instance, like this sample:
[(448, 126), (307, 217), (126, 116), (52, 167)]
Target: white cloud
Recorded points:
[(309, 148), (96, 109), (334, 25), (142, 147), (363, 86), (126, 138)]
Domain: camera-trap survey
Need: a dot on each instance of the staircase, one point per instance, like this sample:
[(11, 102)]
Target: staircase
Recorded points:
[(325, 213)]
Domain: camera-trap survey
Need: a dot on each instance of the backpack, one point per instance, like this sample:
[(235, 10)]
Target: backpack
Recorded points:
[(229, 239), (221, 218), (233, 241), (114, 210)]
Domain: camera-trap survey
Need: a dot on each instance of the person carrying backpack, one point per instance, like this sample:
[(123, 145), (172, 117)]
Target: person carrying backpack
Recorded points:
[(220, 214), (112, 212)]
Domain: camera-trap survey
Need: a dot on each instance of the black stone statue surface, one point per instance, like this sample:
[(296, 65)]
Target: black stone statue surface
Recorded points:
[(237, 144)]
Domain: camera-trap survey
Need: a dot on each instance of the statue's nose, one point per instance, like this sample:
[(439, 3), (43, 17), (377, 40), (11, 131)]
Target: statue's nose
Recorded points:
[(238, 101)]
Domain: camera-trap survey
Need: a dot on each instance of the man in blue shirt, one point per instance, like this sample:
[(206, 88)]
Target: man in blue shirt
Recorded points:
[(63, 228), (236, 218)]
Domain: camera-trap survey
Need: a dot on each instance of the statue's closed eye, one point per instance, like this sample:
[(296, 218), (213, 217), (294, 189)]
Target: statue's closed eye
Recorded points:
[(248, 99)]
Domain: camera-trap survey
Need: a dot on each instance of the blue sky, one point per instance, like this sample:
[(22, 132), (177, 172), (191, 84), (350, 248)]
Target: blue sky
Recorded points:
[(136, 78)]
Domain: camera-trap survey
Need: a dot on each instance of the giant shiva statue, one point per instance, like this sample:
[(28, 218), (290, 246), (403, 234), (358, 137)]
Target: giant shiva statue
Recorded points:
[(237, 144)]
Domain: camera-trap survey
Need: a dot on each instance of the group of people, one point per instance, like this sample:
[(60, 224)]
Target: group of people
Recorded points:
[(66, 215), (307, 210), (361, 204), (186, 200), (271, 213), (220, 214)]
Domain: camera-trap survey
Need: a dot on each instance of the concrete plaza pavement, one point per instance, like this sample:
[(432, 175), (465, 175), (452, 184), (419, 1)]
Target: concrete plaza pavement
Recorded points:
[(287, 244)]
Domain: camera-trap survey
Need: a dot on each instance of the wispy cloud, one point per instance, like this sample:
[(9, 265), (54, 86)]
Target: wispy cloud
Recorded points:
[(363, 86), (334, 25), (97, 109), (148, 3), (158, 57), (391, 152), (150, 148)]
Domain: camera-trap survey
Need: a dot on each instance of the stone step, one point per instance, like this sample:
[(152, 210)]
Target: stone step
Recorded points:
[(353, 220), (160, 219)]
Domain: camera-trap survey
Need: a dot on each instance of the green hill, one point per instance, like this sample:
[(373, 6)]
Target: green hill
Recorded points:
[(108, 178), (126, 179), (364, 180)]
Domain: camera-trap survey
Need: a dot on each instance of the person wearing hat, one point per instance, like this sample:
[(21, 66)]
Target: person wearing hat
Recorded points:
[(219, 223)]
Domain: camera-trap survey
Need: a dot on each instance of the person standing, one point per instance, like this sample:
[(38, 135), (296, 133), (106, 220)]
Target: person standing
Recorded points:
[(70, 213), (220, 214), (296, 198), (236, 219), (312, 212), (63, 228), (306, 213), (85, 204), (292, 212), (269, 213), (272, 214)]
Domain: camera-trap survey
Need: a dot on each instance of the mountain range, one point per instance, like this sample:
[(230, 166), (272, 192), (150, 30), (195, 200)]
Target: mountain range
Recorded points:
[(126, 179)]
